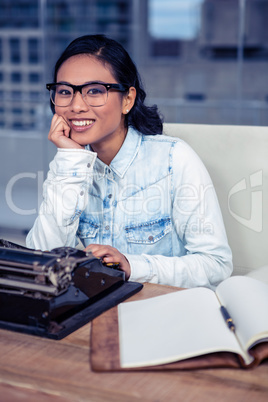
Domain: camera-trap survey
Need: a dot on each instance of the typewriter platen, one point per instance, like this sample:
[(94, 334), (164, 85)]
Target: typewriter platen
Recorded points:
[(52, 294)]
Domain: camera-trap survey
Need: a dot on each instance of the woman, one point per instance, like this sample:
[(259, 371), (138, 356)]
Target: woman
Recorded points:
[(131, 195)]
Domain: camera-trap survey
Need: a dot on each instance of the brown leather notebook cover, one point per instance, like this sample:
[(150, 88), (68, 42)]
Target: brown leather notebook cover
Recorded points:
[(104, 349)]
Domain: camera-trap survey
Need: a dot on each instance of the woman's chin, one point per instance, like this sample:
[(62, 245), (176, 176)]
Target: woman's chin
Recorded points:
[(81, 139)]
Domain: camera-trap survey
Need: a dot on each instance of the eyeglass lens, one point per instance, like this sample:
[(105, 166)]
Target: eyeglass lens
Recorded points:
[(93, 94)]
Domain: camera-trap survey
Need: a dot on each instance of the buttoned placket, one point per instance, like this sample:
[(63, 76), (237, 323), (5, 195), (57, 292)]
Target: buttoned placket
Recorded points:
[(82, 192), (108, 210)]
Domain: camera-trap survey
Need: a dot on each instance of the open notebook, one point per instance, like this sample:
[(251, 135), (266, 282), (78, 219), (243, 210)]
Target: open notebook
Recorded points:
[(191, 323), (184, 329)]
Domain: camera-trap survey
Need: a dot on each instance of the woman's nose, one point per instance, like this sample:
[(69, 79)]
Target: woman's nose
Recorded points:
[(78, 102)]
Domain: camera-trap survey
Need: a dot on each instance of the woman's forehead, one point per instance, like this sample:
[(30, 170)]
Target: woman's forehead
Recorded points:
[(87, 67)]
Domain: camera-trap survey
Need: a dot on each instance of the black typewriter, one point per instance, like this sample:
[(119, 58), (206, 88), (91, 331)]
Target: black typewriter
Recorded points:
[(52, 294)]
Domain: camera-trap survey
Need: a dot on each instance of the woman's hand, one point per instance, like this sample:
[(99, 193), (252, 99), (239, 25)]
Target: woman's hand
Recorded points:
[(110, 254), (59, 133)]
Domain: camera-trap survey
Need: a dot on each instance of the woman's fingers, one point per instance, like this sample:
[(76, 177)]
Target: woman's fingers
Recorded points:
[(59, 133), (110, 254)]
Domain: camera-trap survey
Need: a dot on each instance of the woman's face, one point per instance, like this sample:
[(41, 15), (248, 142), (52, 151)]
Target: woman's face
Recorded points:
[(101, 127)]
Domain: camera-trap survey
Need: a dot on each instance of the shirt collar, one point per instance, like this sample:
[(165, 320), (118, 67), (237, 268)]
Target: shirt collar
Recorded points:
[(123, 158)]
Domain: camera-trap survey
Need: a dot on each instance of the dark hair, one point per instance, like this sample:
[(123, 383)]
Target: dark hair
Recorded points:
[(143, 118)]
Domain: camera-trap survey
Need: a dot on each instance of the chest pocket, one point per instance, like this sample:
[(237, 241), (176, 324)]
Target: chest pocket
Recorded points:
[(151, 237), (87, 232)]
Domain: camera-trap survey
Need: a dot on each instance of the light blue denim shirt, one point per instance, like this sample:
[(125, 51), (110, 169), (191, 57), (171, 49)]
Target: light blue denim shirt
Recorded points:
[(155, 203)]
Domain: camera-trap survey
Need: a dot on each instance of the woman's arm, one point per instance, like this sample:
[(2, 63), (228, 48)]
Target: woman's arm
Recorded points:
[(187, 271), (65, 196)]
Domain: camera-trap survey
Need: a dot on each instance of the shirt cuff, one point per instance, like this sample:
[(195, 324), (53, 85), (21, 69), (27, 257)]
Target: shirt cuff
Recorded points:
[(141, 268), (74, 161)]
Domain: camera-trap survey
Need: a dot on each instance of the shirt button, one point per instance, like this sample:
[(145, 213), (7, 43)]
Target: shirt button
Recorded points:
[(151, 238), (82, 193), (107, 227), (110, 196), (88, 165)]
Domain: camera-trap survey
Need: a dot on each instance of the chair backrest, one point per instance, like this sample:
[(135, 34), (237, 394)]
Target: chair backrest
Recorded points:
[(237, 160)]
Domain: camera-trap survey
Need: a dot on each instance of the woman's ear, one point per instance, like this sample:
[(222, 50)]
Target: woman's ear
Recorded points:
[(129, 100)]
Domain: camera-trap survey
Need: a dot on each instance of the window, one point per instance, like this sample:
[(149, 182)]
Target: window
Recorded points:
[(15, 77), (33, 50), (17, 111), (34, 78), (170, 23), (174, 19), (15, 51)]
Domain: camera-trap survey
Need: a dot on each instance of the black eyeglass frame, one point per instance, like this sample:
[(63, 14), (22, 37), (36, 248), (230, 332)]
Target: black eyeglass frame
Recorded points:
[(117, 87)]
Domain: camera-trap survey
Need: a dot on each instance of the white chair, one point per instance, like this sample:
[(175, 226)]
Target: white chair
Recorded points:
[(237, 160)]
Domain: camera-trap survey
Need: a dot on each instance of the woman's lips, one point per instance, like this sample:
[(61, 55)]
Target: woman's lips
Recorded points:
[(81, 125)]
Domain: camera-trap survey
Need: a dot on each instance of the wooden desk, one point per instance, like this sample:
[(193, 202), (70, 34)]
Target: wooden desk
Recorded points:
[(37, 369)]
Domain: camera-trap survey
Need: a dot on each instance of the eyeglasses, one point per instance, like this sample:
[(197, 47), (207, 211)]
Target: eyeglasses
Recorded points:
[(94, 93)]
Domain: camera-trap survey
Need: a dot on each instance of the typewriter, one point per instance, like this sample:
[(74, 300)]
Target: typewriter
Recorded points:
[(52, 294)]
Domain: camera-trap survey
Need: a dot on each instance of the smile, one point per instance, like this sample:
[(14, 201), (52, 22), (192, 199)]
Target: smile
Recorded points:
[(82, 123)]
